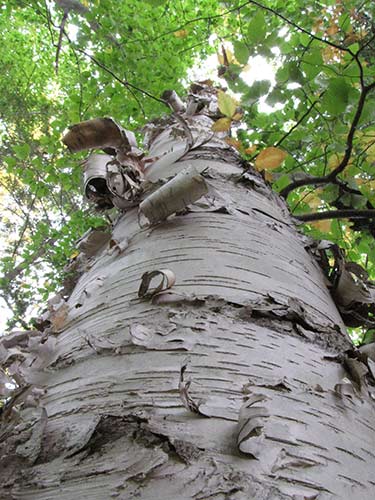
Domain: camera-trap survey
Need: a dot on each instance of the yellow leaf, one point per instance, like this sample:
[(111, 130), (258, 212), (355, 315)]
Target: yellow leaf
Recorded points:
[(227, 104), (228, 58), (181, 33), (268, 176), (334, 161), (351, 38), (250, 150), (222, 125), (208, 82), (323, 225), (270, 158), (74, 254), (237, 116), (332, 54), (236, 144), (312, 200), (317, 26), (332, 30), (370, 153)]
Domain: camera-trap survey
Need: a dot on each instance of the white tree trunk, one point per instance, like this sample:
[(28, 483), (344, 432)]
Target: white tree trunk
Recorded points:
[(251, 319)]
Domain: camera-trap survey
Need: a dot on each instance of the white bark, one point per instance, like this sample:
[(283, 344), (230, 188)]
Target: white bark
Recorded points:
[(251, 319)]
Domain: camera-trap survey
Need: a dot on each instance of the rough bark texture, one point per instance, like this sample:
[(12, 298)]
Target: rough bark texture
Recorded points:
[(241, 339)]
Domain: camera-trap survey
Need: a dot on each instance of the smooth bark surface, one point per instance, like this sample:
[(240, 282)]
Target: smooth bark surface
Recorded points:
[(240, 339)]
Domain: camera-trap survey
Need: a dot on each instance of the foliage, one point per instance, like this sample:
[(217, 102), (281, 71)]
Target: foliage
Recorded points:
[(65, 61)]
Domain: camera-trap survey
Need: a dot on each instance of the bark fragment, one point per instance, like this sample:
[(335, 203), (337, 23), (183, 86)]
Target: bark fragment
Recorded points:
[(177, 194), (168, 279)]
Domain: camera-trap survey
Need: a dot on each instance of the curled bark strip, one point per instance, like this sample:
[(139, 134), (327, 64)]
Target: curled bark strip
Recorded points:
[(98, 133), (160, 339), (107, 183), (250, 425), (183, 190), (345, 388), (183, 387), (117, 247), (168, 279), (124, 183), (356, 370)]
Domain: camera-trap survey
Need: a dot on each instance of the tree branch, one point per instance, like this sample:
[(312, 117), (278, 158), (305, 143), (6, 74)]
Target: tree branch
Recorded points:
[(326, 179), (26, 263), (59, 43), (337, 214), (350, 137)]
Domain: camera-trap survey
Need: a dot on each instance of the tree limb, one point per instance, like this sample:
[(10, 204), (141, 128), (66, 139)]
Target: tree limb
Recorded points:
[(337, 214), (59, 43), (326, 179)]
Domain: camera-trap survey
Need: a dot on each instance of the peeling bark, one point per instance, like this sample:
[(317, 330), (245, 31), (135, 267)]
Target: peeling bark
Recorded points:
[(256, 412)]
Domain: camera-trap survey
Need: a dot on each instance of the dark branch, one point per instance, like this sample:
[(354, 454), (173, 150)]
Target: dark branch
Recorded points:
[(331, 177), (353, 128), (59, 43), (42, 250), (337, 214), (307, 181)]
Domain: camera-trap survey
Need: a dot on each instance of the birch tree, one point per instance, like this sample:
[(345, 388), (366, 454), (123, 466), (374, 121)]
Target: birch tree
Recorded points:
[(201, 353)]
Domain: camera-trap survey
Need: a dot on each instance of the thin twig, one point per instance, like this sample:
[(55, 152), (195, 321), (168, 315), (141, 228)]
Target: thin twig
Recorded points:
[(59, 43), (297, 123)]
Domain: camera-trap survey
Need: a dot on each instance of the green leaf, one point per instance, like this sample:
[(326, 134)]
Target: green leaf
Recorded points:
[(312, 62), (156, 3), (10, 161), (305, 39), (257, 28), (275, 96), (354, 47), (227, 104), (295, 74), (281, 182), (330, 193), (336, 97), (22, 151), (369, 337), (241, 52), (282, 74), (344, 21), (257, 90)]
